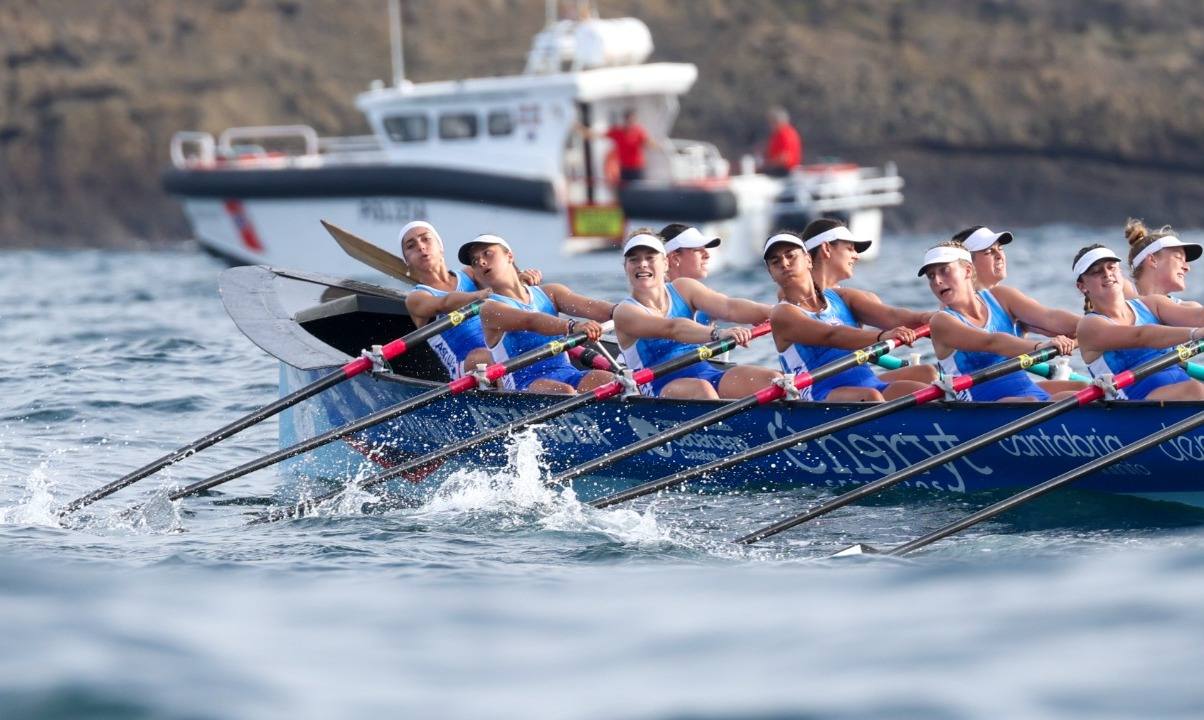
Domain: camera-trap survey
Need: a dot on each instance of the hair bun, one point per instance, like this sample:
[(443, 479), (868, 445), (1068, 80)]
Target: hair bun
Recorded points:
[(1135, 231)]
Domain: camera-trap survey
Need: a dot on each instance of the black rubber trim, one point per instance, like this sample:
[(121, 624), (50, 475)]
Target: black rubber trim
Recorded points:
[(363, 181), (679, 204)]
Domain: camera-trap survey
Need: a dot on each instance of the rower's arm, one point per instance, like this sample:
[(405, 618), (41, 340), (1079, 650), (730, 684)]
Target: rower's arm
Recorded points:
[(582, 306), (721, 306), (950, 333), (792, 325), (869, 309), (1046, 320), (423, 305), (1097, 334), (632, 323), (1173, 313), (498, 318)]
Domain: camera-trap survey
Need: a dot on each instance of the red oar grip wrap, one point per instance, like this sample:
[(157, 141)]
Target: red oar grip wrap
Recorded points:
[(392, 349), (762, 329), (356, 366)]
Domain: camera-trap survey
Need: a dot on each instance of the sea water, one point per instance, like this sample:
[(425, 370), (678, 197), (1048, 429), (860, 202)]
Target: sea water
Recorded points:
[(503, 599)]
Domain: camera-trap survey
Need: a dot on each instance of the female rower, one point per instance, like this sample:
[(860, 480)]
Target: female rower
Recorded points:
[(979, 328), (654, 324), (520, 317), (1158, 261), (439, 292), (814, 325), (990, 269), (1117, 334)]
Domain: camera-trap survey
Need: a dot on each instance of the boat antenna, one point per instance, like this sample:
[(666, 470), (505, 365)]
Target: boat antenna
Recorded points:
[(551, 14), (399, 65)]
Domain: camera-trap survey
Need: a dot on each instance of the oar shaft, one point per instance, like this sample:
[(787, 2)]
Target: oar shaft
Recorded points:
[(1149, 441), (928, 394), (1085, 396), (317, 441), (764, 395), (920, 467), (603, 392), (455, 387), (768, 448), (389, 351)]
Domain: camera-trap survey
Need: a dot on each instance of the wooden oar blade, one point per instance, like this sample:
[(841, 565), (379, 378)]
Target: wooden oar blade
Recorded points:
[(369, 254)]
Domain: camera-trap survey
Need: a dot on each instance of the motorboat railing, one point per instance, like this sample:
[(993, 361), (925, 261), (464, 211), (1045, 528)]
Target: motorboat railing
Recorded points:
[(264, 146)]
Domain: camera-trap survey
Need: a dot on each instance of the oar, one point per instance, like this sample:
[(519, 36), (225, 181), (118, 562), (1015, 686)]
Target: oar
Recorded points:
[(603, 392), (764, 395), (369, 254), (1149, 441), (1087, 395), (927, 394), (455, 387), (362, 364)]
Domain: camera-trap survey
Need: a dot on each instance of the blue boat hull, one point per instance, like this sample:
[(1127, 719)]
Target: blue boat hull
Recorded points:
[(856, 456)]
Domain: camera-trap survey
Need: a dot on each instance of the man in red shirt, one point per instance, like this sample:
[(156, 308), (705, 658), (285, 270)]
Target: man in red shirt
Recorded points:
[(784, 151), (629, 140)]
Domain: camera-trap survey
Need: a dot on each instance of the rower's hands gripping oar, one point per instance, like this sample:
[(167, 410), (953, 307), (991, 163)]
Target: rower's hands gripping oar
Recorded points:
[(365, 362), (468, 382), (919, 397), (765, 395), (1087, 395), (1099, 463), (602, 392)]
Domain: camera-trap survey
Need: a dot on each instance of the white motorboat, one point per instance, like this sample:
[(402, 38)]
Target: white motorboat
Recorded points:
[(505, 155)]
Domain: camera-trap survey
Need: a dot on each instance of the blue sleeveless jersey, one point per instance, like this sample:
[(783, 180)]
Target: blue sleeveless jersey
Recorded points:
[(453, 345), (515, 343), (800, 358), (646, 352), (1114, 361), (962, 362)]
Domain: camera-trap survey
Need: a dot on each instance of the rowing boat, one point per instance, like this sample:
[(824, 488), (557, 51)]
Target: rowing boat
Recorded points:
[(313, 324)]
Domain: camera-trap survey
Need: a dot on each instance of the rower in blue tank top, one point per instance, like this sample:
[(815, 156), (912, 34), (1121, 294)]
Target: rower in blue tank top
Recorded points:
[(798, 357), (439, 292), (687, 250), (974, 331), (1114, 361), (453, 346), (513, 343), (656, 324), (650, 351), (817, 323), (519, 318), (1118, 334)]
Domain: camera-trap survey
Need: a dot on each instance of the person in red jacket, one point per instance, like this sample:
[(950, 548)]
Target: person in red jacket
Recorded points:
[(629, 140), (784, 151)]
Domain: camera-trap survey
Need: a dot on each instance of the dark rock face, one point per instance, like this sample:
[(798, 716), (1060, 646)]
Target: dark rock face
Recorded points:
[(1004, 113)]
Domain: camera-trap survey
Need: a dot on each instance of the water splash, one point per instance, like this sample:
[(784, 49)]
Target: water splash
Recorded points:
[(36, 504)]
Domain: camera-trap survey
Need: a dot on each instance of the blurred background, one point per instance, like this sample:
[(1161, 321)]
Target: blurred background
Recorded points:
[(1008, 114)]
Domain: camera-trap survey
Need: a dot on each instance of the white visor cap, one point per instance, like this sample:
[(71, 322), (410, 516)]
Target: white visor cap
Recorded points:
[(940, 255), (465, 253), (401, 236), (984, 237), (840, 232), (1090, 258), (782, 238), (691, 237), (645, 240), (1190, 250)]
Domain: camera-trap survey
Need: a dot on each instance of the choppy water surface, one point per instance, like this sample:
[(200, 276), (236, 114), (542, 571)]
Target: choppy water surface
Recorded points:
[(503, 599)]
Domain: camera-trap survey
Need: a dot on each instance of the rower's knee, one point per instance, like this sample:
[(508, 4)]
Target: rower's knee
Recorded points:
[(594, 379), (689, 389), (854, 394), (553, 387)]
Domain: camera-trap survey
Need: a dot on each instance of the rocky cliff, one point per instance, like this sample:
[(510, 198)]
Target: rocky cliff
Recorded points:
[(1005, 113)]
